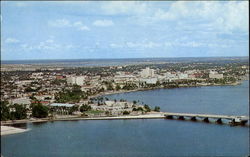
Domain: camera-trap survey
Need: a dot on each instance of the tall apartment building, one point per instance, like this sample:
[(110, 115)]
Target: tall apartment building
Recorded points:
[(78, 80), (147, 72)]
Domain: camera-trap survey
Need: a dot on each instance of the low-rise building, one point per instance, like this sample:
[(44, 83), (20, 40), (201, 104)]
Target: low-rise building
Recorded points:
[(215, 75)]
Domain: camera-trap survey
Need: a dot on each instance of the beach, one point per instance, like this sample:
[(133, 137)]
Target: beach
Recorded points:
[(7, 130)]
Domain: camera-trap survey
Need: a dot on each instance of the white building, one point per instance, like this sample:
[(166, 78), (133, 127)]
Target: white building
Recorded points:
[(215, 75), (183, 76), (149, 80), (79, 80), (124, 78), (24, 100), (170, 76), (147, 72)]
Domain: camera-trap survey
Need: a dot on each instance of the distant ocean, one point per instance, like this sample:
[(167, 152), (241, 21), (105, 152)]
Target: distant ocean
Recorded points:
[(124, 61)]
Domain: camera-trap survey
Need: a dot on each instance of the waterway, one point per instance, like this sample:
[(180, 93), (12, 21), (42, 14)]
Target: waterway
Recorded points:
[(151, 137)]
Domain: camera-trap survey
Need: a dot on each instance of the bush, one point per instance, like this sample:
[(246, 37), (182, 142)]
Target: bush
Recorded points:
[(85, 108), (40, 111), (20, 112), (157, 109), (125, 113), (147, 108), (5, 111)]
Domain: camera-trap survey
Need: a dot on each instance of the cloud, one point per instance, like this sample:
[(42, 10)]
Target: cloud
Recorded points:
[(103, 23), (174, 43), (80, 26), (223, 16), (141, 45), (47, 45), (124, 7), (60, 23), (66, 23), (11, 40)]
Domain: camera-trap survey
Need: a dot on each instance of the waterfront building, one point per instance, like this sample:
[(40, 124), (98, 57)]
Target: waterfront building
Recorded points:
[(147, 72), (148, 80), (124, 78), (61, 105), (170, 76)]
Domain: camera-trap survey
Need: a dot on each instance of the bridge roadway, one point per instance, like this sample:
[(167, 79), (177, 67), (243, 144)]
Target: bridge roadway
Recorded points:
[(240, 119)]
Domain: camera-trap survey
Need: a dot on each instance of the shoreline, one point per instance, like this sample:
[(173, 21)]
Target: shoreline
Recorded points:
[(154, 88), (151, 115), (8, 130)]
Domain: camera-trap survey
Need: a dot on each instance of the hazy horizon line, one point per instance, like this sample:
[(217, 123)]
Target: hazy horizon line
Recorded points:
[(125, 58)]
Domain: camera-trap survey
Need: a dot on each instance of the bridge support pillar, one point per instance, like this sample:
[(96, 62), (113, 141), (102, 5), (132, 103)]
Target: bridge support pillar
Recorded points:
[(193, 119), (243, 122), (219, 121), (181, 118), (169, 117), (206, 120)]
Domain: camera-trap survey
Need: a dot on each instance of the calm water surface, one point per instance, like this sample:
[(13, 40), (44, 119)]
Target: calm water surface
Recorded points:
[(156, 137)]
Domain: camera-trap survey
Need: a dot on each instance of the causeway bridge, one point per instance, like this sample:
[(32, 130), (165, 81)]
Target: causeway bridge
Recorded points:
[(234, 120)]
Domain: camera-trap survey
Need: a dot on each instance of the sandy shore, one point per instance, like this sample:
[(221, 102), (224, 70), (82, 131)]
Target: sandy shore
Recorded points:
[(6, 130)]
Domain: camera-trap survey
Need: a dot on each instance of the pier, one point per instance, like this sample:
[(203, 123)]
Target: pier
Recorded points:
[(233, 120)]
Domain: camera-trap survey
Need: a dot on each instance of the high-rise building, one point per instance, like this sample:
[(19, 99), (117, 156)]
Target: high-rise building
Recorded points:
[(147, 72), (79, 80)]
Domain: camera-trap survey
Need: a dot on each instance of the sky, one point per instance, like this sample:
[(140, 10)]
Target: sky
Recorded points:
[(123, 29)]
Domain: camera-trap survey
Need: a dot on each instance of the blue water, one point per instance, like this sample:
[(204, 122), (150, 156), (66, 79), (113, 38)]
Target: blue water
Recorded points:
[(146, 138), (232, 100)]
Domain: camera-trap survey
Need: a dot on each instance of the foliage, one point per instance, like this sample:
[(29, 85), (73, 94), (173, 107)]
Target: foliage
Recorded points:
[(138, 109), (157, 109), (29, 89), (110, 87), (73, 109), (40, 111), (125, 113), (14, 112), (58, 82), (147, 108), (75, 95), (5, 111), (85, 108), (130, 86), (118, 87), (20, 112)]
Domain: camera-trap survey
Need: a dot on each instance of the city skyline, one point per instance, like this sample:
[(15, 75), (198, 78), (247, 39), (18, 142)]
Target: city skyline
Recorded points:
[(93, 30)]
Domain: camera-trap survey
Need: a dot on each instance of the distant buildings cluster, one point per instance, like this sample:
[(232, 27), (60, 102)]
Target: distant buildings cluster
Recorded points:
[(43, 87)]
